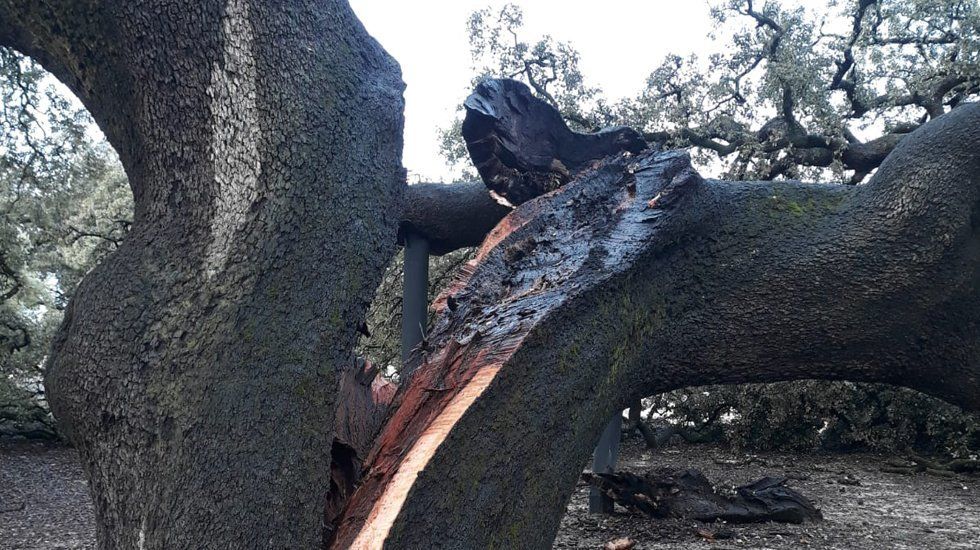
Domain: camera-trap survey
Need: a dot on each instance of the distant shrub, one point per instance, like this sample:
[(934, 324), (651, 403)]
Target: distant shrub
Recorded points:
[(838, 416), (23, 413)]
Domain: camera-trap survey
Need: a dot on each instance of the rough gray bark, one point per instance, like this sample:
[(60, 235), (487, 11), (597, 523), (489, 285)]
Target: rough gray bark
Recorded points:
[(639, 277), (195, 368)]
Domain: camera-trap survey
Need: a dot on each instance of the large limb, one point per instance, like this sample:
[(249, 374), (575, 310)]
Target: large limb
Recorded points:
[(195, 370), (639, 277)]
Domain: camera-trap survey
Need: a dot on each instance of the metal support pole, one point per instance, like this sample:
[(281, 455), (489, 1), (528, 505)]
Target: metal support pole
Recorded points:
[(415, 297), (604, 462)]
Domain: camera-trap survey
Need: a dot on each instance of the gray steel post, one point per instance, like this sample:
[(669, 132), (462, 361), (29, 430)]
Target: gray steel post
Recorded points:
[(415, 299), (604, 462)]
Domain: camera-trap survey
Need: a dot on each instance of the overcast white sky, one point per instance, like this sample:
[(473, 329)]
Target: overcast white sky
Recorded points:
[(620, 41)]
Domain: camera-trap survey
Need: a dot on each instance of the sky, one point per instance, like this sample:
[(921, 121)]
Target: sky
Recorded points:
[(620, 42)]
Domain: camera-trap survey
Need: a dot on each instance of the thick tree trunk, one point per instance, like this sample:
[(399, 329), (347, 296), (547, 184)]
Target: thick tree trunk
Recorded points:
[(638, 277), (195, 368)]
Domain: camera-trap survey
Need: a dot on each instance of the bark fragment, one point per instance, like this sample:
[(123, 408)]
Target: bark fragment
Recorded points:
[(688, 494)]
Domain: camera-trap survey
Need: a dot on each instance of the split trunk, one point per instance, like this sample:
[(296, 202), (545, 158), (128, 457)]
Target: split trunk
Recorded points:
[(636, 277)]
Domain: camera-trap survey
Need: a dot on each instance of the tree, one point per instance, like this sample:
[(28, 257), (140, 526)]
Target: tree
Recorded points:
[(853, 78), (195, 366), (823, 91), (64, 204), (806, 415)]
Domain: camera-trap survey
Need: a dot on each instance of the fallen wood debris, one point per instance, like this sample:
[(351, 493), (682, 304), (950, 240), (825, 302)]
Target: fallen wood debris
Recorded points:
[(688, 494), (917, 464)]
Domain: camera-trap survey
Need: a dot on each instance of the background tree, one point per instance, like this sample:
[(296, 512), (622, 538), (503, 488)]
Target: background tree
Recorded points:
[(816, 91), (64, 204), (820, 91)]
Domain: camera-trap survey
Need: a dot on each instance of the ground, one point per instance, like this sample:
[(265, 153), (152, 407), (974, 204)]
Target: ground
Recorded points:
[(44, 503), (863, 507)]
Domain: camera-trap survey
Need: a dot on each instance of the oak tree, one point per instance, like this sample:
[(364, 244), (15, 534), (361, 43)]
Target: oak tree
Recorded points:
[(196, 369)]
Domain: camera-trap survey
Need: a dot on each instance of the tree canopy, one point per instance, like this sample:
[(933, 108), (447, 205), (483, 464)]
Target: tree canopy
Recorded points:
[(820, 91)]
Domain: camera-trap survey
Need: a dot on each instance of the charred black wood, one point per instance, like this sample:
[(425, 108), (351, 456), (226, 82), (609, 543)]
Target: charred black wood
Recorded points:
[(521, 146)]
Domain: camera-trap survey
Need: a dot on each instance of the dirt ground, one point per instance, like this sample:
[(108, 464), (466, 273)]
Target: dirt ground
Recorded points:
[(44, 504), (44, 501), (863, 507)]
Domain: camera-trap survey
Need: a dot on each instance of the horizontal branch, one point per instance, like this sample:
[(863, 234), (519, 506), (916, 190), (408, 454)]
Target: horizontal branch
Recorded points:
[(450, 216)]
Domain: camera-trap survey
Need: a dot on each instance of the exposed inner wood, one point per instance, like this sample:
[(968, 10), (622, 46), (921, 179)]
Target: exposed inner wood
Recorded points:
[(375, 530), (360, 414), (515, 281)]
